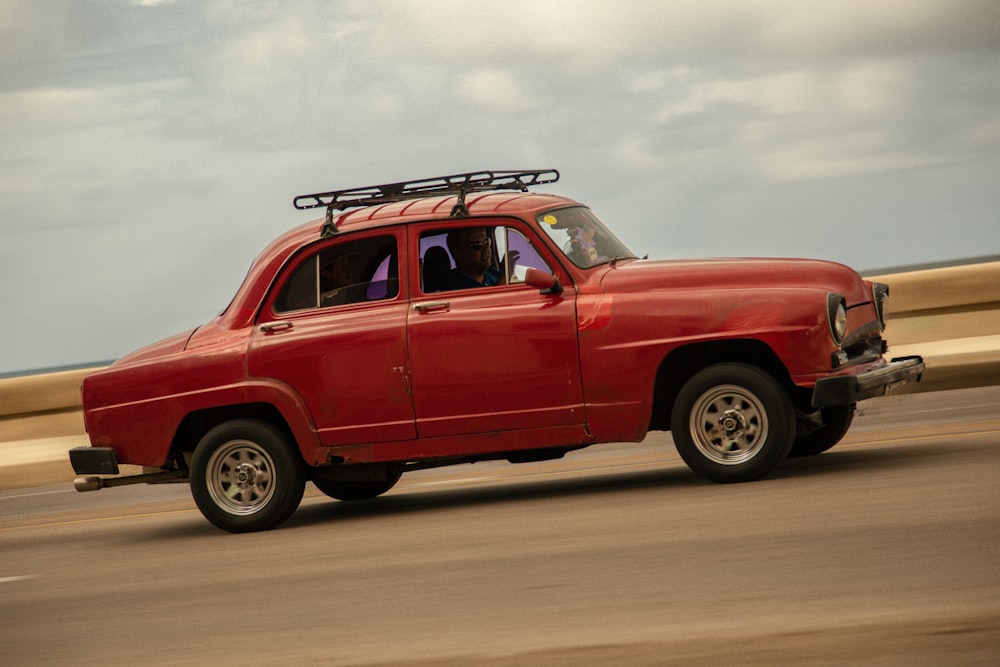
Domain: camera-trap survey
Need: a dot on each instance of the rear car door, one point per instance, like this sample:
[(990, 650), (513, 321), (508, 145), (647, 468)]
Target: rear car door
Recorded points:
[(334, 329)]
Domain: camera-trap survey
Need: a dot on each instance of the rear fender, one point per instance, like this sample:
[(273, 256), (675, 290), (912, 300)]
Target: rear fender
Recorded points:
[(150, 432)]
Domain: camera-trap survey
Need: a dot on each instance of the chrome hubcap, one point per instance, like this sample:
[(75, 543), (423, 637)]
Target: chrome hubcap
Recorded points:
[(728, 424), (244, 475), (240, 477), (732, 423)]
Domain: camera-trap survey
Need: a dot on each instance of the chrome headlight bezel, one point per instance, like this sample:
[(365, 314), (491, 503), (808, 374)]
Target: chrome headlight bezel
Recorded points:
[(836, 312)]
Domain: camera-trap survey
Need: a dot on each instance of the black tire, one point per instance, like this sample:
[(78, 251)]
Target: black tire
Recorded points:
[(732, 423), (356, 490), (836, 422), (246, 476)]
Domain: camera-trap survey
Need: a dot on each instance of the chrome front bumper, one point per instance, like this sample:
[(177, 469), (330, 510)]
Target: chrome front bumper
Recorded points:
[(848, 389)]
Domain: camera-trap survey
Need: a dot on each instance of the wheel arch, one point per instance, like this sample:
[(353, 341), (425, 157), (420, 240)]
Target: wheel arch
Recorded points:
[(683, 362), (196, 424)]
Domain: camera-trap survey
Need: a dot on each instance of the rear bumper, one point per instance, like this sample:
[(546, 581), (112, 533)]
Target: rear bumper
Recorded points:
[(848, 389), (93, 461)]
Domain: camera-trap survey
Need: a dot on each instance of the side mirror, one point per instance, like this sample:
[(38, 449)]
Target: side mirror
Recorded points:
[(546, 283)]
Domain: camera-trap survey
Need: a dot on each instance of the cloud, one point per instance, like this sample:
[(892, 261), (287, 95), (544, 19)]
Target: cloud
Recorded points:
[(151, 149)]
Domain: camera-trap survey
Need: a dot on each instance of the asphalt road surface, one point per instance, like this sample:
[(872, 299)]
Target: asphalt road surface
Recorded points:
[(882, 551)]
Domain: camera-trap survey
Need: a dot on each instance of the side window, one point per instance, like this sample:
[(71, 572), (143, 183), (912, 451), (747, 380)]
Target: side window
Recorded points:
[(524, 254), (342, 273), (475, 256), (302, 289)]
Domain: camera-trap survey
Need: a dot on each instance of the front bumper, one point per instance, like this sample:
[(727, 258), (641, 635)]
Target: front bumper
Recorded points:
[(849, 389)]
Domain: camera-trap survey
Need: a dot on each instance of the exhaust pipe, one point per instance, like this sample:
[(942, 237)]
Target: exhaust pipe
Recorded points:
[(97, 483), (88, 484)]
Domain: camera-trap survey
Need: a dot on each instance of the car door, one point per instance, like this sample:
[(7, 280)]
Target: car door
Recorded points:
[(497, 358), (334, 330)]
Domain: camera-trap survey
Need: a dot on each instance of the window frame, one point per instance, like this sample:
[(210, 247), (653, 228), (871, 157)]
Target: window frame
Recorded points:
[(439, 229)]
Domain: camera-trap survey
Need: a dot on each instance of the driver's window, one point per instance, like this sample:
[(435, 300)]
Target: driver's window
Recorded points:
[(518, 248), (475, 256)]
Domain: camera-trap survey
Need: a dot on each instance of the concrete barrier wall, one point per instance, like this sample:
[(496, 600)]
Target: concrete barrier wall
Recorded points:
[(950, 316), (42, 406), (40, 421)]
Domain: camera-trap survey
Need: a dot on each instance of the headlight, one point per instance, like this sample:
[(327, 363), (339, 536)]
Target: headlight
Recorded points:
[(837, 313), (880, 294)]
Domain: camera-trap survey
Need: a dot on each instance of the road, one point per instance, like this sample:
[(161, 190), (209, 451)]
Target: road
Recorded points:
[(882, 551)]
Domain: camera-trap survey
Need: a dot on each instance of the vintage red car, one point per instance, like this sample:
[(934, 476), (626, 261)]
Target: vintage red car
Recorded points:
[(463, 318)]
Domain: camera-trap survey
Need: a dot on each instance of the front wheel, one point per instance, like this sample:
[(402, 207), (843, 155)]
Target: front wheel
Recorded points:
[(732, 423), (245, 476)]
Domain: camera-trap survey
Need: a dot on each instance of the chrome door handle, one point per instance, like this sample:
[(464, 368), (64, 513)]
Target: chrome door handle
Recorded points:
[(428, 306), (271, 327)]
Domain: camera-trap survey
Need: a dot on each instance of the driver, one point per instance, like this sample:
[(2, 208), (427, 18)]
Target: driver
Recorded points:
[(472, 249)]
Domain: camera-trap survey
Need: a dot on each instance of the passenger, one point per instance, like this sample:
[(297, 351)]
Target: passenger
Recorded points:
[(337, 281), (582, 246)]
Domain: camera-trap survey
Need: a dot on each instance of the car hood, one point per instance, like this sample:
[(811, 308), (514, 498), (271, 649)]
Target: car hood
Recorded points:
[(735, 274)]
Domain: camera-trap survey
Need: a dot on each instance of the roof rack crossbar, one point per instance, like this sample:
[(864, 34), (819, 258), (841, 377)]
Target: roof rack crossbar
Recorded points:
[(455, 184)]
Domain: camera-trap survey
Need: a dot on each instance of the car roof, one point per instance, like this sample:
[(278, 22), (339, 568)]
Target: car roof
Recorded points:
[(523, 205), (516, 204)]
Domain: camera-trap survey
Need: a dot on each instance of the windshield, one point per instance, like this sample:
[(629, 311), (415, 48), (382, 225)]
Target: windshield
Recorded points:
[(582, 237)]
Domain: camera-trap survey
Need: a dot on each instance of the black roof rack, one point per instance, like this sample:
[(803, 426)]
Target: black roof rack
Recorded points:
[(456, 184)]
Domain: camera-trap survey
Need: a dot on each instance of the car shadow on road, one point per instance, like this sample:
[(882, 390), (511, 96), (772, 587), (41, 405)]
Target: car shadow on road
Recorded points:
[(672, 478), (873, 457), (417, 500)]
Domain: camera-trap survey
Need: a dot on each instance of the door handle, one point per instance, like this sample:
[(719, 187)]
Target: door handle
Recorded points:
[(271, 327), (429, 306)]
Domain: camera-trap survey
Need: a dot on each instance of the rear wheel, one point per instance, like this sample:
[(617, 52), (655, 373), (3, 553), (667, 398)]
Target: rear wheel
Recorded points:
[(732, 423), (836, 422), (245, 476)]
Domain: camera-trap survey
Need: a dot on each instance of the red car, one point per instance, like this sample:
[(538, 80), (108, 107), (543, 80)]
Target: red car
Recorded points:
[(462, 318)]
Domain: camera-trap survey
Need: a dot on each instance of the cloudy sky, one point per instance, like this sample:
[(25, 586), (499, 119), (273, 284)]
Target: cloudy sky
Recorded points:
[(150, 149)]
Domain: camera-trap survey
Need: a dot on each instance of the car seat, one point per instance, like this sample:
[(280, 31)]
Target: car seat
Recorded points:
[(436, 267)]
